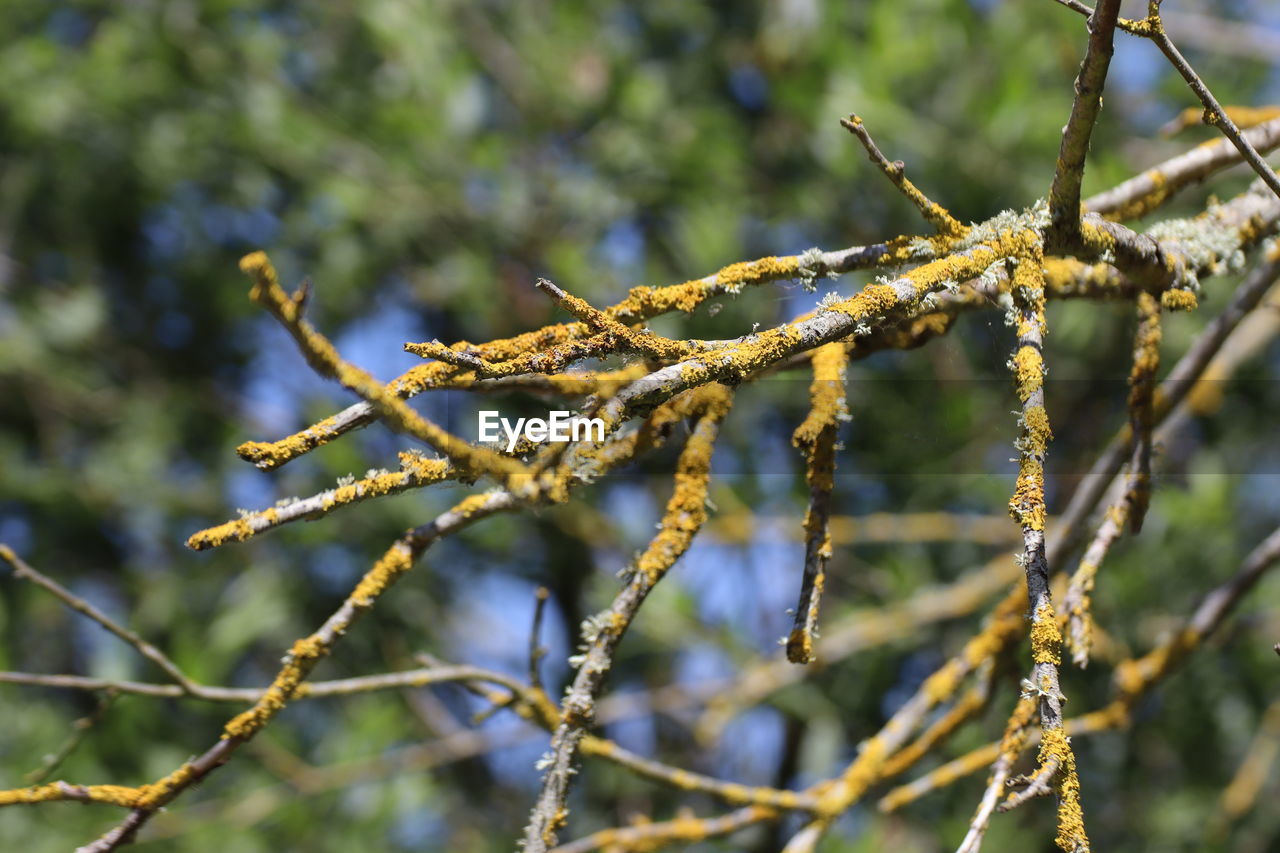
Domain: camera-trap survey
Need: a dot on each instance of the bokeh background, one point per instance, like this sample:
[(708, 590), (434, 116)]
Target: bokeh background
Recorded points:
[(422, 163)]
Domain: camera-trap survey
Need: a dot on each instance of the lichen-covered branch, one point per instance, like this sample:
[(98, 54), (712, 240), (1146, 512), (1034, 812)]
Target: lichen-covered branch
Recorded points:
[(324, 359), (816, 437), (685, 514), (1028, 509)]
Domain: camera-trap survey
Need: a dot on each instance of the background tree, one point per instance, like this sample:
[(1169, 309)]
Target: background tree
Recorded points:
[(423, 165)]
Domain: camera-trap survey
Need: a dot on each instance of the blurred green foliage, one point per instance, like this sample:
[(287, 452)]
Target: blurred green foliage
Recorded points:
[(422, 163)]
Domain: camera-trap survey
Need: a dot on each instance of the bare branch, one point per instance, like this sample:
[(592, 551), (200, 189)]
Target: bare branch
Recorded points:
[(1064, 196)]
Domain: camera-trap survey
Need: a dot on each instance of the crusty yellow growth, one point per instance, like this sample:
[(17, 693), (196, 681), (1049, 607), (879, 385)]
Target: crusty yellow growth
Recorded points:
[(1055, 747), (816, 437), (875, 300), (272, 454), (112, 795), (642, 303), (934, 213), (1038, 432), (321, 355), (604, 382), (644, 836), (1142, 378), (301, 659), (395, 562), (645, 302), (906, 249), (158, 793), (687, 508), (1046, 639), (308, 651), (649, 344), (269, 455), (1027, 504), (1136, 208), (1179, 300), (258, 266), (757, 271), (800, 641), (1005, 622), (872, 300), (236, 530), (1028, 371), (1096, 239), (149, 796), (1146, 355), (471, 504), (827, 405), (1070, 277), (548, 360), (415, 470), (871, 303), (1132, 677), (860, 775)]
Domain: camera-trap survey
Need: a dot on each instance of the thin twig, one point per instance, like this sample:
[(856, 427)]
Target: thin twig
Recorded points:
[(79, 729), (1011, 746), (22, 570), (536, 650), (934, 213), (416, 471), (1214, 114)]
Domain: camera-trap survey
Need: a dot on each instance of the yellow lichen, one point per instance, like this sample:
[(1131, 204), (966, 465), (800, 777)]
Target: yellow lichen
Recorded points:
[(1179, 300), (1046, 639), (753, 272), (1028, 368), (860, 775), (1068, 276), (826, 394), (1027, 504), (1055, 748), (115, 795), (1157, 194), (645, 302), (160, 792), (269, 455), (395, 562), (322, 356), (1096, 239), (299, 662), (1038, 433), (687, 508), (416, 470)]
